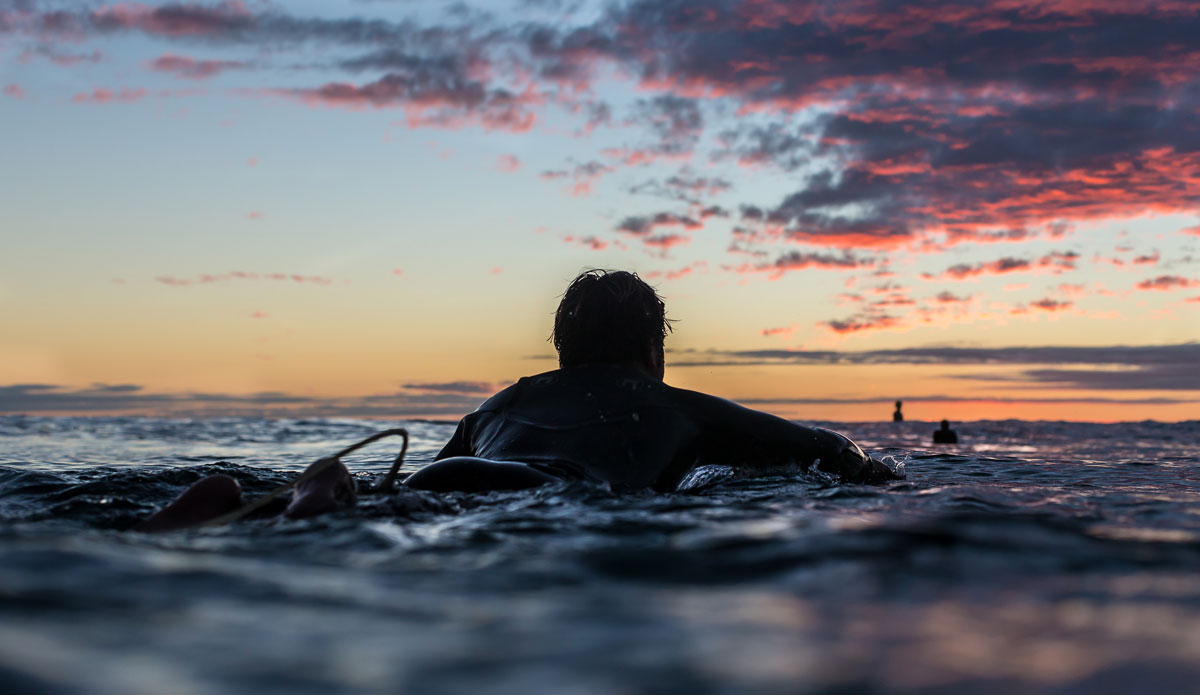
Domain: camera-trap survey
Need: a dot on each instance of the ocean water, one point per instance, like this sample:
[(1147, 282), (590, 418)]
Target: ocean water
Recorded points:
[(1033, 557)]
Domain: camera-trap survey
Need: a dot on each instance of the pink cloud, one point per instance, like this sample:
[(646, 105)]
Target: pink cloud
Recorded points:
[(14, 90), (894, 300), (782, 330), (397, 271), (497, 270), (452, 104), (1168, 282), (1049, 304), (951, 298), (209, 278), (58, 57), (103, 95), (175, 20), (1055, 261), (862, 323), (193, 69), (677, 274), (258, 315), (796, 260), (254, 215), (591, 242), (666, 241), (1195, 231), (252, 162), (508, 162)]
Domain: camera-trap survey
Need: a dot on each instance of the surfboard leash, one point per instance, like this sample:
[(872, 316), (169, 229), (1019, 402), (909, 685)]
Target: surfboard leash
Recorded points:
[(382, 486)]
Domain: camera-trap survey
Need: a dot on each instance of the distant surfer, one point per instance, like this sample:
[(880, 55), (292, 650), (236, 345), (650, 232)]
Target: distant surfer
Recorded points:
[(945, 435), (604, 416), (898, 416)]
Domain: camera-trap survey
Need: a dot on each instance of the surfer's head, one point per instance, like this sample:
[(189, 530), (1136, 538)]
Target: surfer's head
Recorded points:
[(611, 317)]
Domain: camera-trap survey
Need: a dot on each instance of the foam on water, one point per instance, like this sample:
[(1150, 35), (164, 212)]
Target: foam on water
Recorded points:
[(1046, 557)]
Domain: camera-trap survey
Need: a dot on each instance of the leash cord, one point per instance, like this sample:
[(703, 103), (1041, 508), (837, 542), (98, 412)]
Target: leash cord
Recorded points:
[(384, 485)]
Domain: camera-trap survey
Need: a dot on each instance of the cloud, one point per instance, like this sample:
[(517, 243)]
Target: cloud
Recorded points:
[(429, 100), (942, 132), (465, 387), (780, 330), (695, 267), (1048, 304), (60, 57), (945, 297), (862, 322), (590, 242), (1168, 282), (685, 187), (799, 260), (666, 241), (104, 95), (508, 162), (182, 66), (176, 20), (209, 279), (134, 399), (14, 90), (895, 132), (582, 175), (1126, 355), (645, 225), (1055, 262)]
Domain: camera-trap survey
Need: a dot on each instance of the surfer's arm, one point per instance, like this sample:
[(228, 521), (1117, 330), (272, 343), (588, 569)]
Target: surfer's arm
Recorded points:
[(459, 444), (758, 441)]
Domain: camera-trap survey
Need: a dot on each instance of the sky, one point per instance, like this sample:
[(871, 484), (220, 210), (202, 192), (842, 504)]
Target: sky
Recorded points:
[(371, 207)]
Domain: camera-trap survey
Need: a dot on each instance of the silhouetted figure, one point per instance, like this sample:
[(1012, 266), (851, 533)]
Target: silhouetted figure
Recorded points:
[(945, 435), (604, 416), (898, 416)]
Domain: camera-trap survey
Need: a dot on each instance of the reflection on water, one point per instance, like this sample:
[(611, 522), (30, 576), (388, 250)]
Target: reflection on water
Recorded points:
[(1049, 557)]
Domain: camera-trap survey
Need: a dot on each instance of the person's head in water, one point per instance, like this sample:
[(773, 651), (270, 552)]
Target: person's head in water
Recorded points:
[(945, 425), (611, 317)]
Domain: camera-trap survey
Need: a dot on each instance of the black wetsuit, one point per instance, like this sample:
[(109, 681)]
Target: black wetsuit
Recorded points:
[(617, 425)]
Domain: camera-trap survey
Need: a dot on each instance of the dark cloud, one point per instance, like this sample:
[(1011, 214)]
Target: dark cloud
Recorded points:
[(943, 116), (1151, 367), (193, 68), (59, 56), (1168, 282), (1055, 262), (1132, 356), (676, 121), (804, 260), (643, 226), (466, 387), (964, 121), (133, 399), (685, 187), (1155, 377), (887, 400)]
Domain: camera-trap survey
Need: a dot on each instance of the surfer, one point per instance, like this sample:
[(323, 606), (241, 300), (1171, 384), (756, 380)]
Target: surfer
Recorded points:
[(945, 435), (898, 416), (604, 416)]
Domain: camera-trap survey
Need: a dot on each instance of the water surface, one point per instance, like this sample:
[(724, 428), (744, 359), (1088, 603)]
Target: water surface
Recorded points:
[(1045, 557)]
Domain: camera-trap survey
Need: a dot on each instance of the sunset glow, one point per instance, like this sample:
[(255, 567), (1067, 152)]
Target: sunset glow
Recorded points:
[(987, 210)]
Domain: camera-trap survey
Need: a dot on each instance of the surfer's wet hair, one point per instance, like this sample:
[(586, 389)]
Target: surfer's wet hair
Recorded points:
[(609, 317)]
